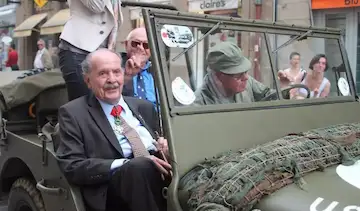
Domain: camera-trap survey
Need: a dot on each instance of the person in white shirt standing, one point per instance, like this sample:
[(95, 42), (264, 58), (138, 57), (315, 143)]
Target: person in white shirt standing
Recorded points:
[(93, 24), (43, 58)]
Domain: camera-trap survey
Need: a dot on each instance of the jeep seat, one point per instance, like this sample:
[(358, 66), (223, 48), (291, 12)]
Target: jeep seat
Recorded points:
[(47, 104)]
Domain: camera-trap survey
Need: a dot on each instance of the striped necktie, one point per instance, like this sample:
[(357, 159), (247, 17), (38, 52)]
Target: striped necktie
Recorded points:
[(137, 146)]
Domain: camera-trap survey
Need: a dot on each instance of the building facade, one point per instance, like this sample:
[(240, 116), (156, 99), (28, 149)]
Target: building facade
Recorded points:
[(47, 23), (29, 19), (342, 14), (248, 42), (33, 23), (7, 25)]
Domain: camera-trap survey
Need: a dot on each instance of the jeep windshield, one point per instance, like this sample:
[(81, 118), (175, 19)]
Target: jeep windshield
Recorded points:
[(280, 66), (234, 93)]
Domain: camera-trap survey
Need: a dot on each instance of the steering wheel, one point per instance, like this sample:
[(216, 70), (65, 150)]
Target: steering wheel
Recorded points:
[(286, 92)]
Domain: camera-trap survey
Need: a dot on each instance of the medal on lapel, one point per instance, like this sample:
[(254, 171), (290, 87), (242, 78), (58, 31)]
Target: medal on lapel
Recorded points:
[(117, 127), (117, 121), (118, 130)]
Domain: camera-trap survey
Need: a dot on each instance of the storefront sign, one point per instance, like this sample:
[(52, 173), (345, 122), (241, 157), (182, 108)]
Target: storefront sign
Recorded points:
[(326, 4), (135, 13), (212, 5), (41, 3)]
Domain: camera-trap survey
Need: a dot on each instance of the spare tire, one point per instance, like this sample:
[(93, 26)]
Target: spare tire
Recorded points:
[(25, 197)]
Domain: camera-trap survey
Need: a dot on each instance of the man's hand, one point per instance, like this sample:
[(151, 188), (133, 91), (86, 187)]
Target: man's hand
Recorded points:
[(163, 166), (162, 145), (282, 76), (134, 64)]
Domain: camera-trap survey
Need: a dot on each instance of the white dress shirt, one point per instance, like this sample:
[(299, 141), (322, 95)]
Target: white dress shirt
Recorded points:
[(37, 62)]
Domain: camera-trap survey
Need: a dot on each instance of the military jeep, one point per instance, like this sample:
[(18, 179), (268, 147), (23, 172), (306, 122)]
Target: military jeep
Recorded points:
[(200, 135)]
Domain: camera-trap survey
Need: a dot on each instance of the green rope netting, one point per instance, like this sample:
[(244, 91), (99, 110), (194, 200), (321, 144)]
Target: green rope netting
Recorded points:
[(237, 180)]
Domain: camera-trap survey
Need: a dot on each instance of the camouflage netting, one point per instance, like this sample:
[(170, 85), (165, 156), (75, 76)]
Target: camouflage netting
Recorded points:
[(238, 180)]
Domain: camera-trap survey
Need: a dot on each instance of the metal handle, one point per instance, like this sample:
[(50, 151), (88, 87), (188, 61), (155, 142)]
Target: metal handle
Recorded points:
[(55, 191), (147, 4)]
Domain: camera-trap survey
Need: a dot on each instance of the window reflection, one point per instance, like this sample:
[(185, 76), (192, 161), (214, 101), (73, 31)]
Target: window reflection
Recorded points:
[(233, 67), (236, 69)]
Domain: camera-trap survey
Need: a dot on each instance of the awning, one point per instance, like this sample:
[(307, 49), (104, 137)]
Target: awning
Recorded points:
[(25, 28), (56, 23)]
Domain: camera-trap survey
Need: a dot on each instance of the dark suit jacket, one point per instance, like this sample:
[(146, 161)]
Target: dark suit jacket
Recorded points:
[(128, 88), (88, 144)]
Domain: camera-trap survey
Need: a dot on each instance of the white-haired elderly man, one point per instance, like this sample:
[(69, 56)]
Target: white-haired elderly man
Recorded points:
[(43, 57), (108, 144), (141, 83)]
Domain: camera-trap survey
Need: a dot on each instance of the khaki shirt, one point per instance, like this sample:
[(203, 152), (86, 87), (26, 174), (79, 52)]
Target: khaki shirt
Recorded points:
[(209, 93)]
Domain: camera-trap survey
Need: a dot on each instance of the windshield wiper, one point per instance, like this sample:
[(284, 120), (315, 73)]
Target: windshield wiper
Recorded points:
[(296, 38), (197, 41)]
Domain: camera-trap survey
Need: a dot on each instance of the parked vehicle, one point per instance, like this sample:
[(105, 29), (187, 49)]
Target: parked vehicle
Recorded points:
[(30, 176)]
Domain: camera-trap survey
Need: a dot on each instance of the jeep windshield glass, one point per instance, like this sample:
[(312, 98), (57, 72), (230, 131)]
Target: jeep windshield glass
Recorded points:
[(247, 65), (197, 41), (292, 39), (233, 71), (314, 62)]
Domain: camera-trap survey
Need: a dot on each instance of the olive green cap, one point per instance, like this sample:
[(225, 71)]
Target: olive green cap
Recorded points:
[(227, 58)]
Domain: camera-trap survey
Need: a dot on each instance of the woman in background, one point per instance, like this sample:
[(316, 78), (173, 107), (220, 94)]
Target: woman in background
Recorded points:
[(315, 80), (293, 75)]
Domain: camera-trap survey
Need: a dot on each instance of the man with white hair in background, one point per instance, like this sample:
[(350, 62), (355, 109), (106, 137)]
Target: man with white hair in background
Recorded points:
[(43, 58), (141, 83)]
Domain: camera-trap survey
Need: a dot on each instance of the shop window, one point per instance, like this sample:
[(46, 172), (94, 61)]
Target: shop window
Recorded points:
[(331, 48), (6, 32), (3, 3)]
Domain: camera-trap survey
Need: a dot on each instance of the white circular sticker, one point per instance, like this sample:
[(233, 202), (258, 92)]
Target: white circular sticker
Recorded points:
[(177, 36), (344, 87), (182, 92), (350, 174)]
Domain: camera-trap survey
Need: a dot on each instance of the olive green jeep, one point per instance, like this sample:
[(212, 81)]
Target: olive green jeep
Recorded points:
[(279, 139)]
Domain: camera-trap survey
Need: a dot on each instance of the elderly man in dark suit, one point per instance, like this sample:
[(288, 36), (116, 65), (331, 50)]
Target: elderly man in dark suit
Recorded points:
[(108, 144)]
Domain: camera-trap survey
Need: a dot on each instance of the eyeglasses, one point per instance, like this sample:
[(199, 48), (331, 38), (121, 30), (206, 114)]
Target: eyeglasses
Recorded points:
[(135, 44), (239, 76)]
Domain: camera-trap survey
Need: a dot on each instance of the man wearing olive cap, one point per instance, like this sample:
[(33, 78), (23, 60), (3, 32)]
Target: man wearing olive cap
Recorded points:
[(227, 80)]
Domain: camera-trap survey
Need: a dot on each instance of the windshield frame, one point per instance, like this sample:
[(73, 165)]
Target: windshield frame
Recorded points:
[(155, 18)]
